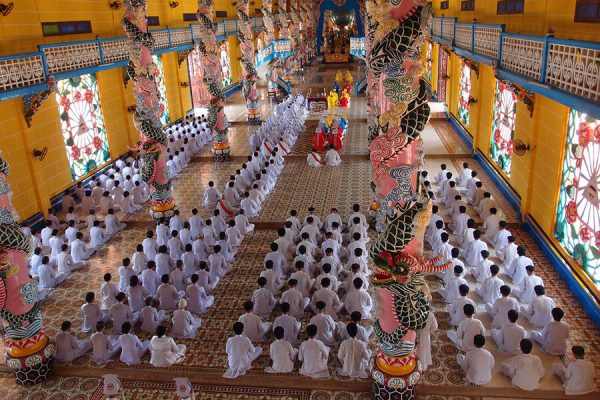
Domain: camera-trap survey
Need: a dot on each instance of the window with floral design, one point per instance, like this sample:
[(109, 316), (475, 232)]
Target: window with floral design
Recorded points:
[(503, 126), (225, 63), (82, 124), (429, 60), (464, 93), (578, 218), (159, 76)]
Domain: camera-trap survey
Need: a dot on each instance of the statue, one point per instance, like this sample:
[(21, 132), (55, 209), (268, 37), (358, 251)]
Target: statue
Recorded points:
[(332, 100), (345, 99)]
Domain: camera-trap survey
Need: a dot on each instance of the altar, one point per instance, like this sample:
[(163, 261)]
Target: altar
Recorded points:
[(339, 20)]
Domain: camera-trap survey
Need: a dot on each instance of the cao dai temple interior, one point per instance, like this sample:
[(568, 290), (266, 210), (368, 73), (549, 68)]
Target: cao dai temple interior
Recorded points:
[(300, 200)]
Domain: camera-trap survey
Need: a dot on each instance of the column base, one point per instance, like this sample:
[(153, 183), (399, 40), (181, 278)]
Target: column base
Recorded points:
[(35, 374)]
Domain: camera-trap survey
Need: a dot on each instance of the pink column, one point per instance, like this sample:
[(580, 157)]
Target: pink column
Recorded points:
[(249, 73)]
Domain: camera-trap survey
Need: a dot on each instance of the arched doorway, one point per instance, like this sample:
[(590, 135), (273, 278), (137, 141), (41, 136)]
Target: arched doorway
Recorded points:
[(341, 16)]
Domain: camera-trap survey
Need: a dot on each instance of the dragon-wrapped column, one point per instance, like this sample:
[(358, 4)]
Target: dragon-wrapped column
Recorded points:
[(28, 349), (269, 31), (213, 73), (248, 62), (399, 113), (153, 145)]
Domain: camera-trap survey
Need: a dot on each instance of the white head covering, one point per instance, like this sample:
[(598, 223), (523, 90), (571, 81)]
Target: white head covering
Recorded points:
[(112, 385), (183, 388)]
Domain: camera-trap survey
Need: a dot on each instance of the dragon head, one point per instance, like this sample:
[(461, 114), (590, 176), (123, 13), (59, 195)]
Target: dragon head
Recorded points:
[(401, 267)]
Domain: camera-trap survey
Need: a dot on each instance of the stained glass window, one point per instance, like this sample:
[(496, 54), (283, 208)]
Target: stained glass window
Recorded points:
[(503, 126), (429, 60), (200, 94), (464, 93), (159, 76), (82, 124), (578, 219), (225, 63)]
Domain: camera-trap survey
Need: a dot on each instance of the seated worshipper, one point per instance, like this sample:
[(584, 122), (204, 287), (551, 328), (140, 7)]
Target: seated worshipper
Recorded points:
[(132, 348), (79, 250), (489, 291), (109, 291), (500, 241), (185, 324), (477, 363), (150, 317), (539, 312), (482, 270), (263, 299), (209, 235), (198, 300), (240, 352), (553, 338), (282, 353), (241, 222), (289, 323), (211, 195), (150, 278), (524, 369), (205, 277), (449, 272), (326, 268), (473, 250), (125, 273), (287, 247), (499, 310), (104, 347), (578, 376), (508, 338), (128, 206), (112, 224), (68, 348), (218, 222), (431, 227), (56, 243), (150, 246), (332, 157), (325, 324), (459, 222), (314, 159), (436, 238), (456, 205), (295, 299), (91, 313), (314, 355), (175, 246), (106, 202), (167, 294), (353, 355), (163, 233), (444, 249), (139, 260), (468, 235), (64, 261), (249, 206), (450, 194), (329, 297), (196, 223), (48, 279), (120, 312), (228, 251), (176, 222), (273, 282), (455, 309), (424, 346), (526, 291), (491, 225), (254, 328), (234, 236), (441, 175), (450, 291), (163, 350), (277, 258), (463, 336), (218, 265), (510, 252), (485, 205), (136, 294), (359, 300)]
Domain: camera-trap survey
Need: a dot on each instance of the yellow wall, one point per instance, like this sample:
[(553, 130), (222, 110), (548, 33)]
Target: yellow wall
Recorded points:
[(537, 18)]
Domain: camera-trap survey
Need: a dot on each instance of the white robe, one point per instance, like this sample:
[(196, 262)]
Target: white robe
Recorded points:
[(424, 346), (291, 327), (491, 225), (508, 338), (185, 324), (240, 354), (103, 347), (539, 312), (296, 300), (314, 355), (354, 356), (91, 314), (132, 349), (331, 300), (326, 328), (313, 159), (463, 336), (68, 348), (499, 310), (332, 158), (108, 290), (577, 377), (150, 317), (254, 328), (553, 338), (526, 371), (473, 252), (456, 309), (489, 291), (198, 301), (283, 355), (478, 365)]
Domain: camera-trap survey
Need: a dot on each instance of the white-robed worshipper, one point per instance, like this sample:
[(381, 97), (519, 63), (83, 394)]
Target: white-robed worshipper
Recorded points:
[(314, 355), (485, 205), (510, 253), (282, 353), (424, 346), (329, 297), (508, 338), (450, 291), (464, 175), (500, 241), (577, 377), (150, 317), (211, 195), (65, 263), (150, 246), (477, 363), (273, 282), (314, 159), (491, 225), (109, 291), (353, 355), (250, 206), (325, 324), (240, 352), (242, 223), (185, 324), (525, 370), (359, 299), (128, 205), (164, 352), (104, 347), (441, 175), (79, 250), (539, 312), (91, 313), (463, 336), (198, 300), (254, 327), (120, 313), (456, 308), (167, 294), (125, 272), (489, 291), (332, 157), (132, 348), (150, 278), (48, 279), (112, 223), (459, 222), (473, 250), (553, 338), (517, 270), (526, 291), (68, 348), (296, 300), (196, 223), (289, 323), (499, 310), (481, 271)]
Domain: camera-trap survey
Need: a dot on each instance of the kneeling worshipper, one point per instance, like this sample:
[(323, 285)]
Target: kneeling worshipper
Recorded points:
[(332, 157), (164, 352), (240, 353), (314, 159)]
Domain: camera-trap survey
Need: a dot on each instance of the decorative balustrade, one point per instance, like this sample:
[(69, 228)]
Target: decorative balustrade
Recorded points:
[(20, 73), (569, 65), (283, 48), (265, 54), (463, 36), (358, 46), (523, 55), (574, 67)]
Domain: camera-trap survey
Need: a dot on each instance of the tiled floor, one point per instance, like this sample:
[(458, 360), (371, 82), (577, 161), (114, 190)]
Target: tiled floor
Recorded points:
[(299, 187)]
